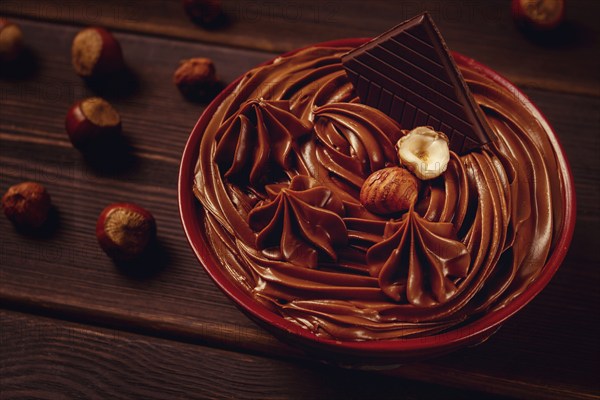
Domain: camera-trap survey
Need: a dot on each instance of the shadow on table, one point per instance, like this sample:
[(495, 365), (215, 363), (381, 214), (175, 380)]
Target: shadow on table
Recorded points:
[(568, 35), (119, 85), (111, 157), (47, 230), (24, 67), (151, 264)]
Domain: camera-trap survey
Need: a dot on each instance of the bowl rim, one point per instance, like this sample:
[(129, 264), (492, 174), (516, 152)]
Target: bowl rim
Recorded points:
[(188, 205)]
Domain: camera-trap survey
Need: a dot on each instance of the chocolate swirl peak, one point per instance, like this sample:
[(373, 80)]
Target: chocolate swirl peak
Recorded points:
[(260, 129), (300, 222), (419, 261), (279, 175)]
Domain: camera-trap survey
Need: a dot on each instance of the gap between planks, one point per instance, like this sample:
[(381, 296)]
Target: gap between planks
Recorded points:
[(258, 342), (247, 42)]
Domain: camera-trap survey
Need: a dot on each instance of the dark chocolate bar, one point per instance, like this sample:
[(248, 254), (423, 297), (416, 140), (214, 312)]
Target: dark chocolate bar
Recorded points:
[(409, 74)]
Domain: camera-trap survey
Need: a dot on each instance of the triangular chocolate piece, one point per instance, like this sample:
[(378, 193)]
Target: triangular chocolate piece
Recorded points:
[(409, 74)]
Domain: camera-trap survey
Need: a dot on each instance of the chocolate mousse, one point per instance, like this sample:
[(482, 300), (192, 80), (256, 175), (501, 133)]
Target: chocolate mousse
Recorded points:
[(281, 166)]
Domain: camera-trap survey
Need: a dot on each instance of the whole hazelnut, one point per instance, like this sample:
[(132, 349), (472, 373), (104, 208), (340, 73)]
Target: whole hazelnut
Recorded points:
[(11, 40), (125, 230), (538, 15), (27, 205), (206, 13), (196, 77), (91, 120), (389, 190), (95, 52)]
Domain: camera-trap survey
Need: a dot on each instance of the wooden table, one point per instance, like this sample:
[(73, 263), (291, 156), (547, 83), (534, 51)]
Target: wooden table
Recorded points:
[(73, 325)]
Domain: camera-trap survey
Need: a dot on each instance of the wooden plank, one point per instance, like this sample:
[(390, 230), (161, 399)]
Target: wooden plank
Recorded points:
[(156, 121), (567, 60), (541, 353), (45, 358), (547, 350)]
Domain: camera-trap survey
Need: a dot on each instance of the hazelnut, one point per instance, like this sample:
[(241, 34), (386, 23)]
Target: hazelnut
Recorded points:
[(95, 52), (26, 205), (125, 230), (538, 15), (196, 77), (424, 152), (389, 190), (90, 121), (11, 40), (206, 13)]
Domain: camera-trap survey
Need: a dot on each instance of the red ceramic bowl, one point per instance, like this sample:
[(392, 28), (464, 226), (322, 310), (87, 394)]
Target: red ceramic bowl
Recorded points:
[(385, 352)]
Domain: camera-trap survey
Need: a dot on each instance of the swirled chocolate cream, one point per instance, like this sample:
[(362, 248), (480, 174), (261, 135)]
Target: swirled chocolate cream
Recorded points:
[(357, 211)]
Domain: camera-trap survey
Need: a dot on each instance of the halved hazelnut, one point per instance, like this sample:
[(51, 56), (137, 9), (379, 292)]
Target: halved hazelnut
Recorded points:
[(96, 52), (540, 15), (11, 40), (389, 190), (91, 120), (125, 230)]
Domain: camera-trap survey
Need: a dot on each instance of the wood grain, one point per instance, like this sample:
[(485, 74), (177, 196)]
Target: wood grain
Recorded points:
[(566, 60), (549, 350), (48, 359), (156, 122)]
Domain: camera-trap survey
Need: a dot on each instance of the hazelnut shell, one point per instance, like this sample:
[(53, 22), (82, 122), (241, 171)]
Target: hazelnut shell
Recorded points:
[(125, 231), (205, 13), (90, 120), (389, 190), (544, 15), (196, 77), (11, 40), (96, 52), (27, 205)]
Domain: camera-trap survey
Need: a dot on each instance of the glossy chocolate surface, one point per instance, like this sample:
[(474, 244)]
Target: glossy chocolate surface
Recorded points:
[(280, 168), (409, 74)]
